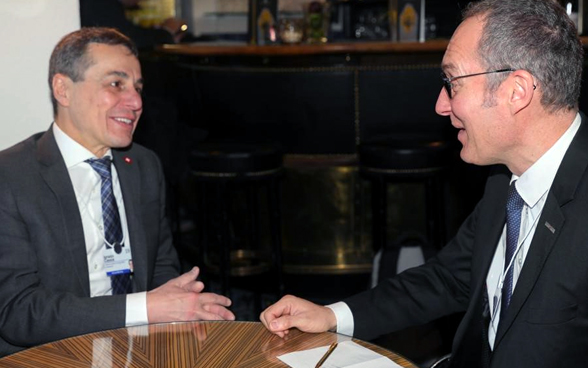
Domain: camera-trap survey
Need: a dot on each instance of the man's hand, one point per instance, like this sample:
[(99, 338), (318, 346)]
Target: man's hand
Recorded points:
[(181, 299), (291, 311)]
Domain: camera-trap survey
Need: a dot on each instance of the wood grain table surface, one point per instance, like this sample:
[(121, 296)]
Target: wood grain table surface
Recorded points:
[(186, 344)]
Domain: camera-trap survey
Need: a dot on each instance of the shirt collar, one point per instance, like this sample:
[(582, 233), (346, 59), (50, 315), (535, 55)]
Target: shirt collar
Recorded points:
[(73, 153), (537, 180)]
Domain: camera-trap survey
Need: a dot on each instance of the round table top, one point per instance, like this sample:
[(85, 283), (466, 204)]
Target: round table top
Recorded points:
[(182, 344)]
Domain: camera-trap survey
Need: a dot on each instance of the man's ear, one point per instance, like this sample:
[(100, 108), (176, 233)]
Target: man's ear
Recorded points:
[(62, 85), (523, 90)]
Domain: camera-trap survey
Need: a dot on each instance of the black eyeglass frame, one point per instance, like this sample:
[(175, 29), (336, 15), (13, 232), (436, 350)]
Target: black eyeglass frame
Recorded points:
[(447, 81)]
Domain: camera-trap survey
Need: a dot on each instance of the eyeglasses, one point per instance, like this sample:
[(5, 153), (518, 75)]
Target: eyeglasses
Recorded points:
[(447, 81)]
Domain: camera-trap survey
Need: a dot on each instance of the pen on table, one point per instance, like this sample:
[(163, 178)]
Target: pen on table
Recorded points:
[(331, 349)]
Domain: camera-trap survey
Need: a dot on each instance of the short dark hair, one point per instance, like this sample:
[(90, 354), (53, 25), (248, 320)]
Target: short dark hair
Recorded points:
[(69, 57), (536, 36)]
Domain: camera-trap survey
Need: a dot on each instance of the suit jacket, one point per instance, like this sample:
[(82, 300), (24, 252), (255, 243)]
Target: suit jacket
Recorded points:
[(44, 282), (547, 321)]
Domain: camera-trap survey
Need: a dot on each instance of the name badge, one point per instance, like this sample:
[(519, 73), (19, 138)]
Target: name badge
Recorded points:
[(117, 259)]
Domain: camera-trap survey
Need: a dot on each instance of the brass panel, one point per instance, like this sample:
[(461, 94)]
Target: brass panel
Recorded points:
[(326, 215), (326, 219), (325, 229), (244, 262)]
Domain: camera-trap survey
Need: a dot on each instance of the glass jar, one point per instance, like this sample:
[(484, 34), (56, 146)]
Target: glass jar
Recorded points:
[(291, 30)]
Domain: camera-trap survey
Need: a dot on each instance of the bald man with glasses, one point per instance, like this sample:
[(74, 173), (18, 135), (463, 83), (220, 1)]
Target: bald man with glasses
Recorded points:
[(517, 266)]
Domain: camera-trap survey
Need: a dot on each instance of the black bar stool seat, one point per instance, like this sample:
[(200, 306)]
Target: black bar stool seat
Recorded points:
[(230, 178), (235, 160), (402, 159)]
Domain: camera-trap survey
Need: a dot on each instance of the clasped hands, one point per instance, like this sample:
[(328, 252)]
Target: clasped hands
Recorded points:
[(182, 299)]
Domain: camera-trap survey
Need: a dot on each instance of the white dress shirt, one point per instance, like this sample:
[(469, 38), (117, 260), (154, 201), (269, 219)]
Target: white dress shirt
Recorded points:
[(532, 186), (87, 183)]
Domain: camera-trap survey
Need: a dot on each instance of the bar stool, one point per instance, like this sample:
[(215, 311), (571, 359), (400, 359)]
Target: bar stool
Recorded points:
[(389, 160), (230, 177)]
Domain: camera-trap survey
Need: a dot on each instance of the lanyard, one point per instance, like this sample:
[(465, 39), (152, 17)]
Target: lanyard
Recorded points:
[(498, 292)]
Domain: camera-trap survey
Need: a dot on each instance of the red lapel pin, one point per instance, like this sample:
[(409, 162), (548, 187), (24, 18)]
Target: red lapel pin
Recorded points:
[(128, 160)]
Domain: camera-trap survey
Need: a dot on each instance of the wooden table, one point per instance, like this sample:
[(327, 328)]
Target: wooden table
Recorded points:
[(188, 344)]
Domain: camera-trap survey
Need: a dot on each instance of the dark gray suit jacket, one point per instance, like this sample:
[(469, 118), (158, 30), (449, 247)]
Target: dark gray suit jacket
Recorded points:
[(44, 282), (547, 321)]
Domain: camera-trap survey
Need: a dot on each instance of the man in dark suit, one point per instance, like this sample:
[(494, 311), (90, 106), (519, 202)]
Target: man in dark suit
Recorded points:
[(517, 266), (63, 256)]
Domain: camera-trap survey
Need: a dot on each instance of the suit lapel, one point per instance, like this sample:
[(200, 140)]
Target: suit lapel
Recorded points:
[(497, 221), (127, 168), (542, 244), (494, 217), (550, 225), (492, 236), (491, 223), (68, 225)]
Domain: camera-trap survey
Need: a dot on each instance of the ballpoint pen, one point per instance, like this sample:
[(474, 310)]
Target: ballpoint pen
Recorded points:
[(331, 349)]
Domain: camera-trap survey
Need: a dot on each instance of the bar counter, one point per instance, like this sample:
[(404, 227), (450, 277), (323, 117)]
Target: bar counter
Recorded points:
[(319, 102), (380, 47), (243, 49)]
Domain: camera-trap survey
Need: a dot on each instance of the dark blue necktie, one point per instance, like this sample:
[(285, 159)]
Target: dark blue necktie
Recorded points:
[(514, 208), (121, 283)]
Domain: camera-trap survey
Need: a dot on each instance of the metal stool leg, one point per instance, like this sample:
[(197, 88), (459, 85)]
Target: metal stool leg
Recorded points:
[(202, 229), (224, 236), (276, 231), (253, 211), (379, 209)]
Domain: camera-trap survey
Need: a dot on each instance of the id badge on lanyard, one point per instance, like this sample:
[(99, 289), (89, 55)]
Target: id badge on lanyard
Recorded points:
[(117, 259)]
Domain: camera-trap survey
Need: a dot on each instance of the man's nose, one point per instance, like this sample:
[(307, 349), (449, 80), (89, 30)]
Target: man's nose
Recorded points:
[(134, 100), (443, 105)]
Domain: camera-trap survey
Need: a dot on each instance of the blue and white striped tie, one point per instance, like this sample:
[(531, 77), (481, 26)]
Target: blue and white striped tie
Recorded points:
[(121, 283)]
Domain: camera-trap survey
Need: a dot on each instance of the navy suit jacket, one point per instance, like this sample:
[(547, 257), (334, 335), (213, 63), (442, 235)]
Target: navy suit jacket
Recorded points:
[(44, 282), (547, 322)]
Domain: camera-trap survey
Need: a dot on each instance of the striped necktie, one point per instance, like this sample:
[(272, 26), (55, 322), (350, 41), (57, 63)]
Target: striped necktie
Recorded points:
[(121, 283)]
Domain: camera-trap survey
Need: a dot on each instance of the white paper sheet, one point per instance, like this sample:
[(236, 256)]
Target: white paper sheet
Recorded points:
[(347, 355)]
